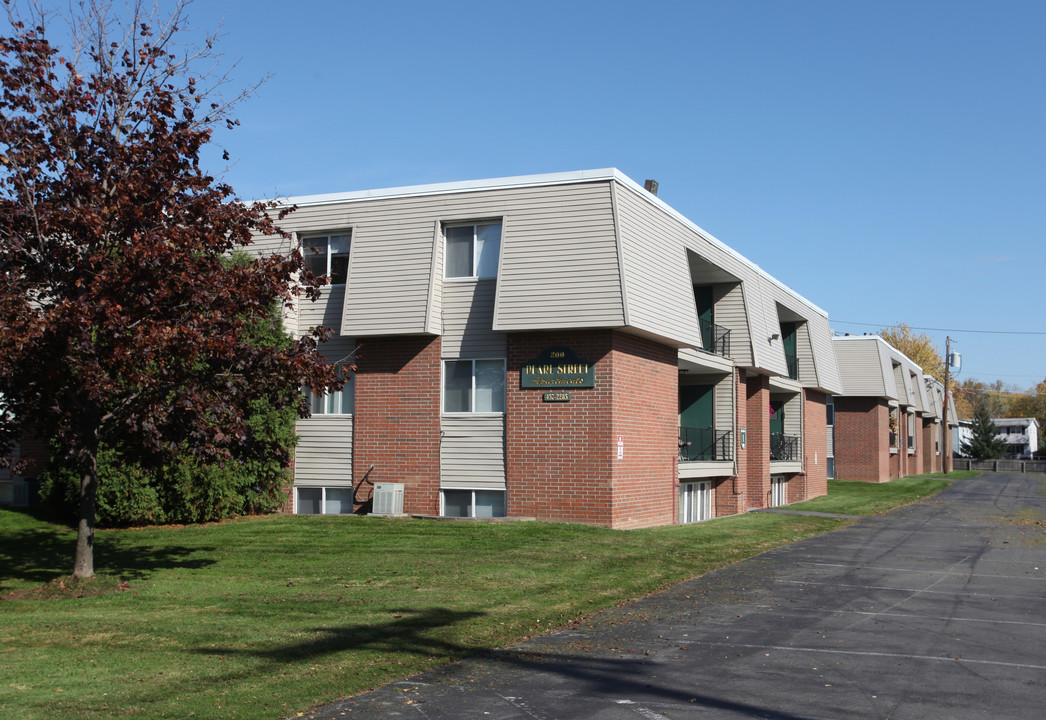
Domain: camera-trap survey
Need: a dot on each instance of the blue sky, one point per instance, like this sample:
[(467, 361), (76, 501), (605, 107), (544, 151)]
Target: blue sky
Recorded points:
[(886, 160)]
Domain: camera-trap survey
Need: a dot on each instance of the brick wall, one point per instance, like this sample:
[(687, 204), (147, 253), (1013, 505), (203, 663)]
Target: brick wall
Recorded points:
[(646, 415), (396, 426), (927, 444), (862, 439), (815, 444), (757, 463), (561, 458)]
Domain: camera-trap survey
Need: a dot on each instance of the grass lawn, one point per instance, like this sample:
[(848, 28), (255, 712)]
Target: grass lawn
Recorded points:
[(861, 498), (266, 617)]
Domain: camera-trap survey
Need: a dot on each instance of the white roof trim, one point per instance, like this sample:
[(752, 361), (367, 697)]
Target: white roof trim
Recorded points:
[(562, 178)]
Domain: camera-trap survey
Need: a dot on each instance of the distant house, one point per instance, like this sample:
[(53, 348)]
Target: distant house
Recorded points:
[(1020, 434)]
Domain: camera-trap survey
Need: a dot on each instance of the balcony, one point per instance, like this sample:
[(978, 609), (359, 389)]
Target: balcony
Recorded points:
[(697, 444), (784, 448), (714, 338)]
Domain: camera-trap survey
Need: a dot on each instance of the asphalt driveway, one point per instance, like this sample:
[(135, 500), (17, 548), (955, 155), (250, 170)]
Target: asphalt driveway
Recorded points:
[(937, 610)]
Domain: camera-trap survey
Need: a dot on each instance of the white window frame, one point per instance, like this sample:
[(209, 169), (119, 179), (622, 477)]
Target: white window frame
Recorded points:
[(474, 275), (472, 501), (306, 239), (348, 390), (688, 492), (472, 392), (323, 498)]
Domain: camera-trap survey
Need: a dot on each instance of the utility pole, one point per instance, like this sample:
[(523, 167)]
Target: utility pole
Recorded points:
[(946, 458)]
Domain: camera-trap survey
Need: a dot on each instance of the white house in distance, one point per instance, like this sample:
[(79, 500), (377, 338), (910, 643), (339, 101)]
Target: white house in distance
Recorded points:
[(1021, 435)]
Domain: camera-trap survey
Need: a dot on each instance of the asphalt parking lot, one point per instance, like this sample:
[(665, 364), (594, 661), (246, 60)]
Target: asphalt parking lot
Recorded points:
[(936, 610)]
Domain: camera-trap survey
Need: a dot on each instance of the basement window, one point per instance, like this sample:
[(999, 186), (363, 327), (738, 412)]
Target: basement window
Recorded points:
[(473, 503), (323, 501)]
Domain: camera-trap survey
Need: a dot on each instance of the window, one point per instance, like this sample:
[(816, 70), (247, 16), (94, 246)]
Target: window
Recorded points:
[(829, 410), (327, 255), (911, 431), (778, 490), (323, 501), (474, 386), (695, 502), (340, 402), (472, 250), (473, 503)]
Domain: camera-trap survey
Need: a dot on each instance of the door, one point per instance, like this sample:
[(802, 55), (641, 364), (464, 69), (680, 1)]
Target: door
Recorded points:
[(777, 417), (695, 502), (777, 490), (696, 415), (788, 341), (705, 316)]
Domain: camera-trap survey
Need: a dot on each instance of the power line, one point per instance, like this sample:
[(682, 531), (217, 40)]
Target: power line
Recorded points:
[(913, 327)]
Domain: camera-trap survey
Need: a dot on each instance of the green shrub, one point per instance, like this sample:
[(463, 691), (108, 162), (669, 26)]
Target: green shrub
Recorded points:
[(182, 490)]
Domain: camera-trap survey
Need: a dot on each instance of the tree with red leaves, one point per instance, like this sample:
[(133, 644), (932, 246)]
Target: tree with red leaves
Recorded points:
[(122, 319)]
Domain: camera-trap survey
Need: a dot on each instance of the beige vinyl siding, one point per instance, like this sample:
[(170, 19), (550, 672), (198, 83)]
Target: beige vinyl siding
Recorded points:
[(793, 419), (900, 378), (434, 321), (805, 354), (817, 363), (658, 287), (826, 365), (830, 441), (731, 314), (339, 349), (472, 452), (769, 354), (723, 399), (559, 261), (267, 245), (325, 311), (468, 317), (886, 354), (861, 367), (324, 452)]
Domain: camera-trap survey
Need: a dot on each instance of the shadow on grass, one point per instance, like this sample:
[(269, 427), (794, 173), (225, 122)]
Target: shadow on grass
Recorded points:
[(409, 634), (38, 556)]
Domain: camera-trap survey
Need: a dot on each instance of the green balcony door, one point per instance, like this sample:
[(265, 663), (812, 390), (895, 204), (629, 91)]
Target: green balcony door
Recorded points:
[(788, 340), (777, 417), (696, 411), (705, 316)]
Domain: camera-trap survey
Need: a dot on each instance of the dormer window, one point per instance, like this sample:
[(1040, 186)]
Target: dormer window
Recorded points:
[(472, 250), (327, 256)]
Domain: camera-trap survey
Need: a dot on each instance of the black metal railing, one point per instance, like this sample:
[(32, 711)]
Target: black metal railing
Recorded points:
[(784, 447), (893, 439), (705, 444), (715, 338), (793, 366)]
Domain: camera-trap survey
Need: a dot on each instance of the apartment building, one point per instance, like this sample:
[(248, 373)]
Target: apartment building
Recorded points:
[(566, 347), (888, 421)]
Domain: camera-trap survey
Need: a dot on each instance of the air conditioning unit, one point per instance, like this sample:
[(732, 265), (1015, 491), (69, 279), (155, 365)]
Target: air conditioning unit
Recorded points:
[(388, 499)]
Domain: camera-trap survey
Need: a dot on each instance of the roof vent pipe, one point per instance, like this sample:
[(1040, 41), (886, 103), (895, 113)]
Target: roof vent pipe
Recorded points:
[(650, 186)]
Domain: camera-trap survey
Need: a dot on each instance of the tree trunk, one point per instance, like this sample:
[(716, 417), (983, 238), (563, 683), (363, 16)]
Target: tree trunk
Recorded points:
[(83, 564)]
